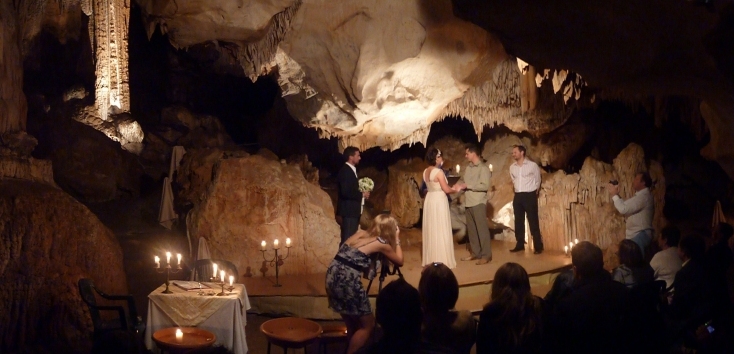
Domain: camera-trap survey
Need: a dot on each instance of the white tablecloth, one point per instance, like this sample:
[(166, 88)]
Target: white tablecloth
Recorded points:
[(227, 322)]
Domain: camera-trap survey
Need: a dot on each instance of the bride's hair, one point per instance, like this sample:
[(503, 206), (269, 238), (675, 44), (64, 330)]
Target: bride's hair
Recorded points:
[(431, 156)]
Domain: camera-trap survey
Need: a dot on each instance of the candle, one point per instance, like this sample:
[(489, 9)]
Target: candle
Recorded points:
[(179, 258), (565, 250), (168, 257), (215, 269), (287, 241), (263, 244), (491, 169), (458, 168), (570, 245), (157, 262), (221, 274), (275, 244), (231, 280), (576, 241), (179, 334)]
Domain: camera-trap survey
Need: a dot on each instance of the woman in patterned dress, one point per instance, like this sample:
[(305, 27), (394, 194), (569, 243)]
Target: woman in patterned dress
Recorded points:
[(344, 287)]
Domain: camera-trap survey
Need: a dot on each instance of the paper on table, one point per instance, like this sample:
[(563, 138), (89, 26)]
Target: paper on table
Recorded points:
[(190, 285)]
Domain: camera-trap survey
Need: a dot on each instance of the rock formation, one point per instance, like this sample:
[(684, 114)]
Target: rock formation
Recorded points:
[(250, 199), (48, 241), (403, 199)]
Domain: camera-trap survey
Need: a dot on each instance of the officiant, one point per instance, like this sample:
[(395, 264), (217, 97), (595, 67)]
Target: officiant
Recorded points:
[(349, 204)]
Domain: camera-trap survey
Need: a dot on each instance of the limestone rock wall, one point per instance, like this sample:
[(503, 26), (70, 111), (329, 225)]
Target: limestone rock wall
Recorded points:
[(403, 199), (48, 241), (251, 199)]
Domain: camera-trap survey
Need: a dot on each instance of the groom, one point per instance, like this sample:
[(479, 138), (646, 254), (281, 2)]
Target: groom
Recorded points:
[(476, 178), (349, 205)]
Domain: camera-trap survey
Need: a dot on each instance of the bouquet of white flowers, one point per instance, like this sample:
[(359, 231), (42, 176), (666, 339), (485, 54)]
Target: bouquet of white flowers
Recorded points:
[(366, 184)]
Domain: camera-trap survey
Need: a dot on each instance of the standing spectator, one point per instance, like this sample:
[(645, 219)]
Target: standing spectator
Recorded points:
[(638, 210), (526, 180), (512, 320)]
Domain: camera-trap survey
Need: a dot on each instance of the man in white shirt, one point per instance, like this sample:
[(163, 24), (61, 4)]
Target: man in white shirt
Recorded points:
[(667, 263), (638, 210), (526, 180)]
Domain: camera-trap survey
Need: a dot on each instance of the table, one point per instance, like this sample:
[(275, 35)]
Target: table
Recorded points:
[(225, 316), (192, 338)]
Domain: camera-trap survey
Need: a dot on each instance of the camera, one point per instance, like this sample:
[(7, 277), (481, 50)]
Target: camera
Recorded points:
[(614, 182)]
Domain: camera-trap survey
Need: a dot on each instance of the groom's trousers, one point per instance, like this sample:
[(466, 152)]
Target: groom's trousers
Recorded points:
[(478, 231)]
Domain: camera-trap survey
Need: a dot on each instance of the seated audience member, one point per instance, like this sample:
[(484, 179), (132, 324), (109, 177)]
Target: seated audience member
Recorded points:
[(512, 320), (562, 286), (691, 286), (717, 261), (444, 328), (632, 270), (667, 262), (593, 317), (398, 312)]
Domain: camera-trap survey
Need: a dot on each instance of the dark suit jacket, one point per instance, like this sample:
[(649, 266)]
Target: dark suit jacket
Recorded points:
[(593, 317), (349, 204)]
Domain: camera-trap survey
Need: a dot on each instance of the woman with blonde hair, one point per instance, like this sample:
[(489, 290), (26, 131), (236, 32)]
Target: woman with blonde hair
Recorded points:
[(344, 287)]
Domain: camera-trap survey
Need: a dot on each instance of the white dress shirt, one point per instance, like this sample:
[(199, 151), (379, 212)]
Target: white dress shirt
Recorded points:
[(639, 211), (665, 264), (525, 177), (353, 168)]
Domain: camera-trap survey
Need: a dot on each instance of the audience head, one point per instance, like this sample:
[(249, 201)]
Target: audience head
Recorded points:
[(587, 259), (438, 288), (434, 155), (351, 154), (398, 309), (630, 254), (724, 232), (385, 226), (670, 236), (642, 180), (691, 247), (510, 276)]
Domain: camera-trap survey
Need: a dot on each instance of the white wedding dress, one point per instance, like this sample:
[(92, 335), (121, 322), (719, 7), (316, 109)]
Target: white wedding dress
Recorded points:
[(438, 240)]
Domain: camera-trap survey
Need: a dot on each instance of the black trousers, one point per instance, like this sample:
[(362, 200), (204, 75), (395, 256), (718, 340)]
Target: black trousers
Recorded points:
[(527, 203), (349, 227)]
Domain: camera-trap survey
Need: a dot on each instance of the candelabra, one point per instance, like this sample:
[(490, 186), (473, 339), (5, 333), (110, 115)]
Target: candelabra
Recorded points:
[(277, 260), (168, 270)]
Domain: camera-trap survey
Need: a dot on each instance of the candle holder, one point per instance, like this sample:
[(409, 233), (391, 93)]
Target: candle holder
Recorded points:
[(168, 270), (277, 261)]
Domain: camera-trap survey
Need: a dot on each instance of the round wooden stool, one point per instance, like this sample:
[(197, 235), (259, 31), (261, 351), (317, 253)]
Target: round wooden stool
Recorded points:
[(332, 334), (290, 332), (193, 338)]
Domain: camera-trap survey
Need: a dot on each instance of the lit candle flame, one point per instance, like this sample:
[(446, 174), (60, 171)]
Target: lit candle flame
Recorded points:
[(179, 334), (288, 242)]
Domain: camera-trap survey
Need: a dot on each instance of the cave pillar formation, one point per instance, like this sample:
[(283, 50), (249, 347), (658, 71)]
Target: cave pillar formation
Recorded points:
[(15, 144), (108, 27)]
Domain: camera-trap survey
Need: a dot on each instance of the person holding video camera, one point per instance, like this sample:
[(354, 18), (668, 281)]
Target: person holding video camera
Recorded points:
[(344, 287), (638, 210)]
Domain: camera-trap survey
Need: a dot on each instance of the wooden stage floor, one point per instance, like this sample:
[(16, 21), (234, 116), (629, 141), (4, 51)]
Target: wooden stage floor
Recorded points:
[(305, 295)]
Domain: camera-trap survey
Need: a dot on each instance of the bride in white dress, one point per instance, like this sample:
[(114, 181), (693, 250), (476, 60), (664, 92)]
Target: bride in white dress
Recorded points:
[(438, 241)]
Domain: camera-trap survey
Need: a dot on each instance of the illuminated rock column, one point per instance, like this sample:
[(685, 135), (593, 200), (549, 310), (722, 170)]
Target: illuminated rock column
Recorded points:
[(109, 24)]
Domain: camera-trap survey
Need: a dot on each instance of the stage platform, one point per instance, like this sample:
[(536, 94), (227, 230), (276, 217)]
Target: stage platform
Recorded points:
[(305, 295)]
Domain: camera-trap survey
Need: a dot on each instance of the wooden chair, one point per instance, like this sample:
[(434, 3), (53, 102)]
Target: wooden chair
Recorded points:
[(290, 332), (203, 269), (126, 321)]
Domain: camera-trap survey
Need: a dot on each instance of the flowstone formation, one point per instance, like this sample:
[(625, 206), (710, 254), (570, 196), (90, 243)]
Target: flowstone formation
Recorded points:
[(370, 73)]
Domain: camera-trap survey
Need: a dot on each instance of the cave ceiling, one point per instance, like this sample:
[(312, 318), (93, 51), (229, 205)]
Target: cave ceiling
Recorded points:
[(379, 73)]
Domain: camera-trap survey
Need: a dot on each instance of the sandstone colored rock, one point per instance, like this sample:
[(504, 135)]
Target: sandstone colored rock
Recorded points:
[(403, 199), (251, 199), (48, 241)]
